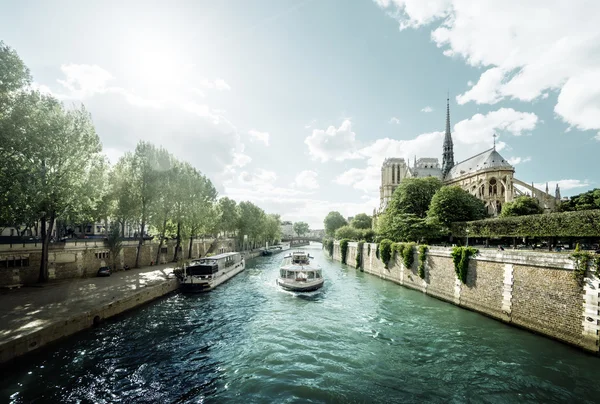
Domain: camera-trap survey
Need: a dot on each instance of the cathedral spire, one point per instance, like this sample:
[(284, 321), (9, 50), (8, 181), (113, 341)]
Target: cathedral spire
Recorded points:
[(448, 149)]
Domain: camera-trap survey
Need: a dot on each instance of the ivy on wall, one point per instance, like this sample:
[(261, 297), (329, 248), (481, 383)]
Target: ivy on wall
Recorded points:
[(369, 249), (422, 259), (359, 253), (328, 246), (344, 249), (582, 261), (385, 251), (585, 223), (460, 257)]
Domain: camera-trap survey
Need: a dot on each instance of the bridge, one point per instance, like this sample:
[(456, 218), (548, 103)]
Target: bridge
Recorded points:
[(303, 240)]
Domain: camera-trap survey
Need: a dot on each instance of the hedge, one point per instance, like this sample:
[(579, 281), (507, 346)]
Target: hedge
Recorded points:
[(585, 223)]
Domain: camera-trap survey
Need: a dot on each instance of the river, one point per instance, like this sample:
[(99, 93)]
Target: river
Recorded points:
[(360, 339)]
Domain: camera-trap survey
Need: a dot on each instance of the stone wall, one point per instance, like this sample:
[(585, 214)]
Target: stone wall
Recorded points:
[(532, 290), (83, 258)]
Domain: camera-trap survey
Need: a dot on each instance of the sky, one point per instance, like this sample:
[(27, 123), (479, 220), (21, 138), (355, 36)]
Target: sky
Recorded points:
[(294, 105)]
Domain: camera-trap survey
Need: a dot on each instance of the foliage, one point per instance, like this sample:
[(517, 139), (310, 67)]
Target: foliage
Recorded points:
[(377, 251), (404, 216), (369, 249), (355, 234), (460, 257), (328, 245), (563, 224), (584, 201), (582, 261), (407, 226), (422, 260), (359, 255), (454, 204), (301, 228), (114, 244), (51, 157), (333, 221), (362, 221), (408, 255), (385, 251), (228, 215), (521, 206), (344, 249)]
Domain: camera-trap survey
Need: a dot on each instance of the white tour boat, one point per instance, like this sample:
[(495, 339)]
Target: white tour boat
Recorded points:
[(204, 274), (297, 274)]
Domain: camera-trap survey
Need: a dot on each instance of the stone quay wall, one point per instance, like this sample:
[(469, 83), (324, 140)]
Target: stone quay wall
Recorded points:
[(532, 290), (83, 258)]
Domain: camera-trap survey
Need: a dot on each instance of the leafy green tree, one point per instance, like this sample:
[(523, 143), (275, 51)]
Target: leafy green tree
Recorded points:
[(348, 232), (202, 211), (362, 221), (162, 210), (404, 217), (584, 201), (273, 228), (115, 244), (144, 172), (453, 204), (333, 221), (228, 215), (251, 221), (301, 228), (521, 206), (52, 155)]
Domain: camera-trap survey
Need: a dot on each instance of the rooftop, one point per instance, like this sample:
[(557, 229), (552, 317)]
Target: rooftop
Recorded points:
[(489, 159)]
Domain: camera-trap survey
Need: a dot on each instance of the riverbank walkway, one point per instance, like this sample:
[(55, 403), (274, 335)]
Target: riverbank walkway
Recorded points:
[(33, 316)]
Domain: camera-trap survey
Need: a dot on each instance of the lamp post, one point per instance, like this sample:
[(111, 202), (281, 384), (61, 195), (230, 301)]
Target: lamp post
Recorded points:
[(467, 237)]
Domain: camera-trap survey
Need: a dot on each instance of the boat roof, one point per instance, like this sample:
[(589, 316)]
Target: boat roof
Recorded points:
[(220, 256)]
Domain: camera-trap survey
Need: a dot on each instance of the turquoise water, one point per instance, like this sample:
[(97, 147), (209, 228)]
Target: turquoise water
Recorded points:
[(358, 340)]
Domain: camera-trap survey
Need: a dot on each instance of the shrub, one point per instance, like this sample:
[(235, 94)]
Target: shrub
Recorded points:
[(422, 260), (408, 255), (460, 257), (328, 246), (385, 251), (344, 249), (359, 253)]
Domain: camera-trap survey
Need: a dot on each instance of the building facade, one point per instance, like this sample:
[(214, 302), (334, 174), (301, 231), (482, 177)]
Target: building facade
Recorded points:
[(487, 175)]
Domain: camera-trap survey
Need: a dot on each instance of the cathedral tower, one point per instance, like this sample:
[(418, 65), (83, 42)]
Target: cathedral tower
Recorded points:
[(448, 154)]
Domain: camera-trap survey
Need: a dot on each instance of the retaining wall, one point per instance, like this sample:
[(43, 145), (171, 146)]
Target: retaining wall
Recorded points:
[(532, 290)]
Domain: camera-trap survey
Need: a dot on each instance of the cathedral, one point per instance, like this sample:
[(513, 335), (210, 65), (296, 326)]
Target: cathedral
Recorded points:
[(487, 175)]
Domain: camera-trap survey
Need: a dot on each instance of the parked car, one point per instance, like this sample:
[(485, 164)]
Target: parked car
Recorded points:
[(104, 271)]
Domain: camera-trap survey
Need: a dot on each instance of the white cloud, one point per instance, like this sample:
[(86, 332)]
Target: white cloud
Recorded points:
[(333, 143), (240, 159), (84, 80), (513, 161), (306, 179), (470, 136), (564, 185), (427, 109), (217, 84), (394, 120), (259, 136), (524, 57), (260, 178)]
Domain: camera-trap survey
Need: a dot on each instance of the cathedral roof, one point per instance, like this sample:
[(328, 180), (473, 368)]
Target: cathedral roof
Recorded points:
[(489, 159)]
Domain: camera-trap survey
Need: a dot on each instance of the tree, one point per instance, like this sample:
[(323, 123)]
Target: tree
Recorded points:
[(333, 221), (228, 215), (301, 228), (404, 217), (115, 244), (349, 232), (202, 212), (144, 168), (584, 201), (273, 228), (453, 204), (51, 157), (362, 221), (521, 206)]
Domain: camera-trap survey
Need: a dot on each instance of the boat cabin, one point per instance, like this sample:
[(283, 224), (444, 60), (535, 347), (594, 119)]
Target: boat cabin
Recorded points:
[(300, 275), (208, 266)]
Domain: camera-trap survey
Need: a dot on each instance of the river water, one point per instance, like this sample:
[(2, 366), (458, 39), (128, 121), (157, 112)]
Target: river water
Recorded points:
[(358, 340)]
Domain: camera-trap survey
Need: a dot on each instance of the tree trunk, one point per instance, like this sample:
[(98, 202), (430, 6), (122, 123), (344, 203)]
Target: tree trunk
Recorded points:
[(162, 237), (123, 228), (46, 234), (141, 241), (176, 254), (190, 248)]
